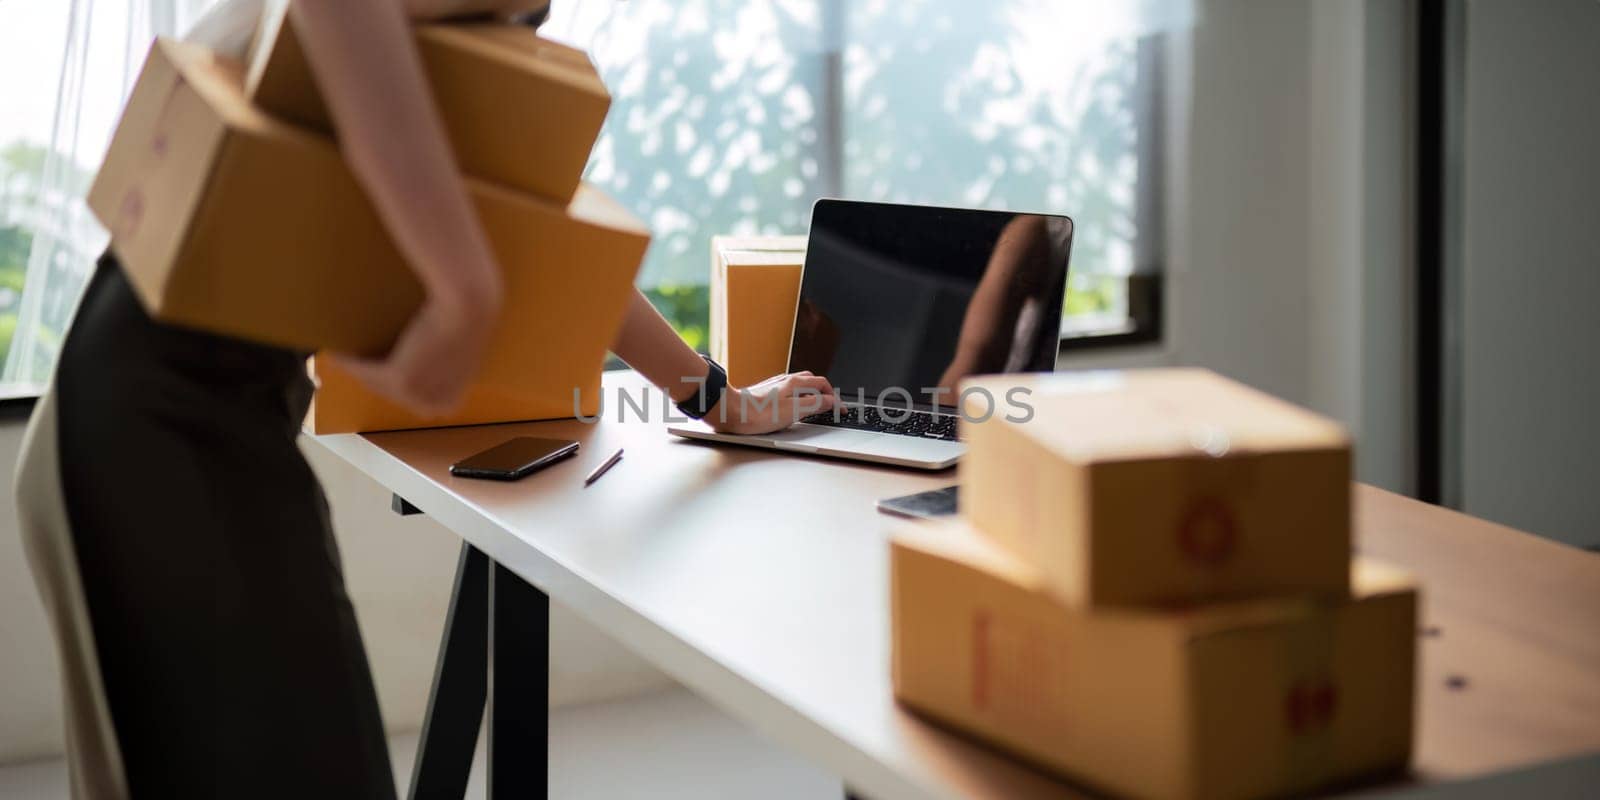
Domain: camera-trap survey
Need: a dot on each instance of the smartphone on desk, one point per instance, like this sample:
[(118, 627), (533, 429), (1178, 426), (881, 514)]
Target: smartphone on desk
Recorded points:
[(923, 505), (517, 458)]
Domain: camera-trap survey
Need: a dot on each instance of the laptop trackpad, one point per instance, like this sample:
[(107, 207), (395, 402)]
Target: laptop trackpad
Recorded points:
[(804, 436)]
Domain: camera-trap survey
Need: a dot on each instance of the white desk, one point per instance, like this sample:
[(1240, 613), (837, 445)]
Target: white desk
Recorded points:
[(760, 581)]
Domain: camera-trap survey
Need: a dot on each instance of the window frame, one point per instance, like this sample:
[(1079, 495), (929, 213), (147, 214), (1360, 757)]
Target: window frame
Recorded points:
[(1145, 289)]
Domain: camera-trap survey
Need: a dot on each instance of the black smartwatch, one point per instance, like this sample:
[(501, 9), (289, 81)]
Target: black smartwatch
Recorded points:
[(699, 404)]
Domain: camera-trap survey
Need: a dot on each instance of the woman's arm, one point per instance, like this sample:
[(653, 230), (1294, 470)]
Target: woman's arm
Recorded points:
[(368, 70), (650, 345)]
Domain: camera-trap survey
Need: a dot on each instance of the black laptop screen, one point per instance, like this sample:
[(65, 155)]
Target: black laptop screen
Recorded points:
[(915, 298)]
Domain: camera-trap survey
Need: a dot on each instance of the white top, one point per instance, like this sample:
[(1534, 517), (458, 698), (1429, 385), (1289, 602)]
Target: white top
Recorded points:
[(230, 25)]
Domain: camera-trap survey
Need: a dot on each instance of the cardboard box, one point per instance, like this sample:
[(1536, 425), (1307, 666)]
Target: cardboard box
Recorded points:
[(1246, 699), (231, 221), (755, 285), (1158, 486), (520, 110), (569, 278)]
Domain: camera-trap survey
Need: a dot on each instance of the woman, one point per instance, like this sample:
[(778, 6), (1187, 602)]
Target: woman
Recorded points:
[(181, 542)]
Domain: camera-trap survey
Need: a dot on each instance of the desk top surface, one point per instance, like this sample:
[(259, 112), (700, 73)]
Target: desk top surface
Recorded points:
[(760, 581)]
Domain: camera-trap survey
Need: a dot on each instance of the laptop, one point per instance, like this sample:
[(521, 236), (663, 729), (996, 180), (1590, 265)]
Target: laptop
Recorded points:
[(897, 304)]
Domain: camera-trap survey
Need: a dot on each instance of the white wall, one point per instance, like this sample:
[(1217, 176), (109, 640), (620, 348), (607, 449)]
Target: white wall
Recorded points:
[(1240, 292), (399, 572), (1361, 364), (1237, 279), (1530, 268)]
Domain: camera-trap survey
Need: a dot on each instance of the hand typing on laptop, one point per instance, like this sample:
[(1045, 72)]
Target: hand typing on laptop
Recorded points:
[(650, 346), (773, 404)]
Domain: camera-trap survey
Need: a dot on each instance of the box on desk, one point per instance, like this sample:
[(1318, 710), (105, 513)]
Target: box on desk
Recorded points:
[(755, 284), (231, 221), (1158, 486), (1243, 699), (520, 110)]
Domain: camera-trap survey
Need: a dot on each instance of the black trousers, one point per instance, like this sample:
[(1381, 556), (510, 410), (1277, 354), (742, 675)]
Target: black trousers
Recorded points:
[(228, 647)]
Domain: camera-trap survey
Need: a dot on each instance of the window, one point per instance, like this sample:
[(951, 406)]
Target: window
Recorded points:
[(31, 34), (65, 68), (731, 116)]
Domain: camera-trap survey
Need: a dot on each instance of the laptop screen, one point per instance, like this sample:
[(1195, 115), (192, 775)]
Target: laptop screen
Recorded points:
[(899, 303)]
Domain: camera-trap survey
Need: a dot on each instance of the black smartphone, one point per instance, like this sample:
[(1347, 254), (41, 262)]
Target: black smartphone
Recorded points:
[(514, 459), (923, 505)]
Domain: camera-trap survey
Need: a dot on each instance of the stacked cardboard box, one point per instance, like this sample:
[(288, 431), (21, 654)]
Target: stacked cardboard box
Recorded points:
[(755, 286), (232, 210), (519, 109), (1152, 592)]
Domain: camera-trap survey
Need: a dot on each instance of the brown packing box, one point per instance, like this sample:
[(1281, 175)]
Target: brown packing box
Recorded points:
[(231, 221), (520, 110), (1158, 486), (755, 284), (1245, 699), (563, 307)]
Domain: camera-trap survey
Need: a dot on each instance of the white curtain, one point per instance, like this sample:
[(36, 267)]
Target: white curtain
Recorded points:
[(105, 44)]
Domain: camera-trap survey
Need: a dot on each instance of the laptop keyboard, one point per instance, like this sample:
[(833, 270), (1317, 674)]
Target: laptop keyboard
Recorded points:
[(905, 422)]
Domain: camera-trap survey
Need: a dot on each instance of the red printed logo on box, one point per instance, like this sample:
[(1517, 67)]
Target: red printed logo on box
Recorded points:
[(1017, 668), (1311, 705), (129, 214), (1208, 534)]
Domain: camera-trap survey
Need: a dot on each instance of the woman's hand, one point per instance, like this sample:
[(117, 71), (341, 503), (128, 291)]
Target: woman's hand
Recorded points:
[(773, 404), (435, 357), (650, 346)]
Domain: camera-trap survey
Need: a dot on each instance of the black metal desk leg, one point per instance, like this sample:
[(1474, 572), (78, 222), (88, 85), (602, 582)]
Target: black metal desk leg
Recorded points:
[(460, 684), (519, 688)]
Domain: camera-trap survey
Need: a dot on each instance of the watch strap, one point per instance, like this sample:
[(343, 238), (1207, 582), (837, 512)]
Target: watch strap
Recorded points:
[(701, 402)]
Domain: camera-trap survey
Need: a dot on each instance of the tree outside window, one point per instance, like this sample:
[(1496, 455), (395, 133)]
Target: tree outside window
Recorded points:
[(733, 117)]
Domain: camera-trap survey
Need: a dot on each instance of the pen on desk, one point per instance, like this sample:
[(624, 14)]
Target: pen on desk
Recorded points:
[(601, 470)]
